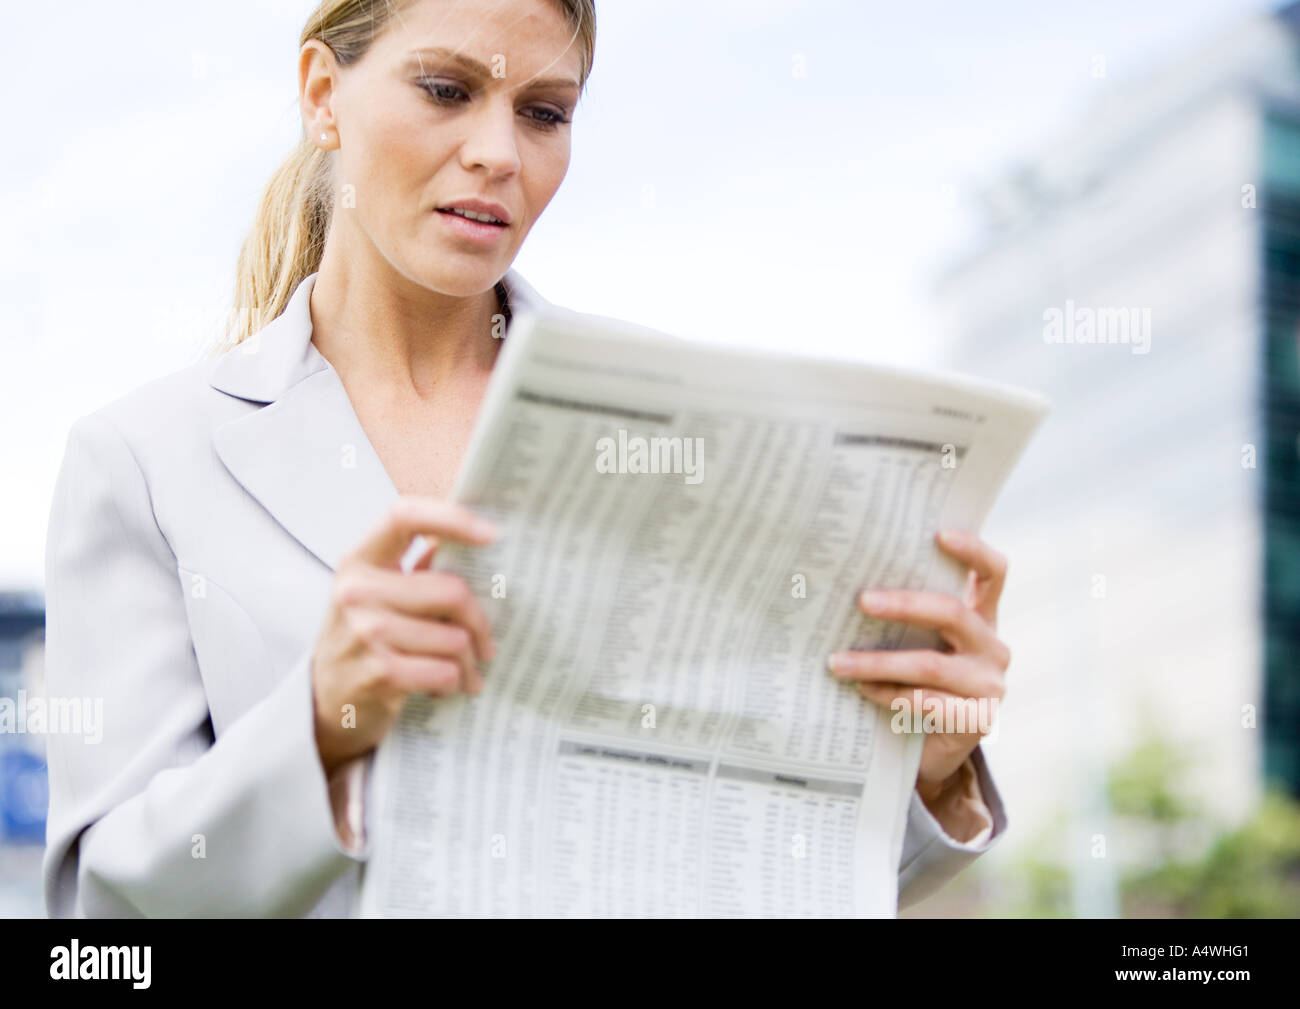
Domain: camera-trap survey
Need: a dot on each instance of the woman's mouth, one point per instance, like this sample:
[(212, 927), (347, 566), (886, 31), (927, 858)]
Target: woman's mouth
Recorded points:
[(481, 228)]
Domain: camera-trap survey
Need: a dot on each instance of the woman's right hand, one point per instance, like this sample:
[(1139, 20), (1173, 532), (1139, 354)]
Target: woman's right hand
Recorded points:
[(390, 633)]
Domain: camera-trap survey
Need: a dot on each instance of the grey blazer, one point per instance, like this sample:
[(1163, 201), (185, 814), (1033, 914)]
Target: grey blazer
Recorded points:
[(193, 535)]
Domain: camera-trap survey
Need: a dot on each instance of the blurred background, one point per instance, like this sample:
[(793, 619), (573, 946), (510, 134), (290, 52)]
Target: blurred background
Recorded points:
[(1100, 202)]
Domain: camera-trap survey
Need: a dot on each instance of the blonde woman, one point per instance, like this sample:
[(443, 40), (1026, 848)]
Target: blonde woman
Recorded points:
[(224, 543)]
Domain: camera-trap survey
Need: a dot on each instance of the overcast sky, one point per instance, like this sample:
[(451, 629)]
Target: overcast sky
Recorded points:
[(713, 192)]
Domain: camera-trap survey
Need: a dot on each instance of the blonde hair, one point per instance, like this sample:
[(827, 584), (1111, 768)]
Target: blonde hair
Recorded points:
[(287, 238)]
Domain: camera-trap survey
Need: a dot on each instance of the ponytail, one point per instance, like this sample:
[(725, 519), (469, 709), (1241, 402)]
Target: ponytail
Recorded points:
[(285, 243)]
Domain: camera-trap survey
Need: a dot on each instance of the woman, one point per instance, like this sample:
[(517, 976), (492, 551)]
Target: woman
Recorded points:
[(225, 542)]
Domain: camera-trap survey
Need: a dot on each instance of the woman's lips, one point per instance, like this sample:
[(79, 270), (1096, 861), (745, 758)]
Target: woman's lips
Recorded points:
[(474, 231)]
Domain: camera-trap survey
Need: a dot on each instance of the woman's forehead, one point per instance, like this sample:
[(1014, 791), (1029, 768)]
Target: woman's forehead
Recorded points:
[(532, 37)]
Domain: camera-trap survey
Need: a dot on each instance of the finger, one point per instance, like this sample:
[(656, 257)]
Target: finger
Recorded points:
[(882, 694), (424, 562), (988, 565), (397, 632), (955, 674), (411, 515), (963, 627), (437, 595), (417, 674)]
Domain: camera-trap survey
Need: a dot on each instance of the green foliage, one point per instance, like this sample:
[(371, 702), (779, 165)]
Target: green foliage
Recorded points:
[(1147, 784), (1047, 891), (1249, 871)]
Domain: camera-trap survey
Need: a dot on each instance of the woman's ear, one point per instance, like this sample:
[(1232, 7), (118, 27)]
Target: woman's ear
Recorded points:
[(317, 80)]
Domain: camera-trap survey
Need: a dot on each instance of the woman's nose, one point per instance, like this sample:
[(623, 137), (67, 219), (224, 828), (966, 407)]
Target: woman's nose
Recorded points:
[(491, 141)]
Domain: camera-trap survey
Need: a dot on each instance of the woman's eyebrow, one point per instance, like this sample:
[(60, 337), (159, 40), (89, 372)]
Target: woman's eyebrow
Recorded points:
[(473, 66)]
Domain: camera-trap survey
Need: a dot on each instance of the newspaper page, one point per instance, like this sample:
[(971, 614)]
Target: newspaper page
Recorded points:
[(686, 529)]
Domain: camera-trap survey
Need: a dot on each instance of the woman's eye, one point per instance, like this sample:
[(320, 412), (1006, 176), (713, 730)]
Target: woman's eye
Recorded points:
[(555, 118), (447, 93), (441, 91)]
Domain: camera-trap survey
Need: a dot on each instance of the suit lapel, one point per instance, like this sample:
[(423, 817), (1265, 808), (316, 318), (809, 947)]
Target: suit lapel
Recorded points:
[(304, 455)]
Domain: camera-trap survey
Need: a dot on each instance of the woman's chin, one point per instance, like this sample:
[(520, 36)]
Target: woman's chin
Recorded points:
[(453, 276)]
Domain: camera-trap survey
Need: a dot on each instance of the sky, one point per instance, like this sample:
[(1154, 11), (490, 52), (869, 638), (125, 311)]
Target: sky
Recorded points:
[(786, 174)]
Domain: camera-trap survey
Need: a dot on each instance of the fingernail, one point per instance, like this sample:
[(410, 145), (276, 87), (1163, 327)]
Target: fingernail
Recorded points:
[(835, 662), (486, 529), (873, 600)]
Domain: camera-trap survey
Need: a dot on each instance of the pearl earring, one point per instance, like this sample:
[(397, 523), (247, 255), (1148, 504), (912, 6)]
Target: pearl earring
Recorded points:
[(324, 136)]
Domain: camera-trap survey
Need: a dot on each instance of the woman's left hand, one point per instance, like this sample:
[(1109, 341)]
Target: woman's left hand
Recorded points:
[(971, 670)]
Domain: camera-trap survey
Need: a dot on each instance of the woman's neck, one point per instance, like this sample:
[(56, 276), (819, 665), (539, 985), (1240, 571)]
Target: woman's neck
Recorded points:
[(382, 332)]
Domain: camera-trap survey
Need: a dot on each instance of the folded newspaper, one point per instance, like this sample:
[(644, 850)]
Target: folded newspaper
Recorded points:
[(686, 529)]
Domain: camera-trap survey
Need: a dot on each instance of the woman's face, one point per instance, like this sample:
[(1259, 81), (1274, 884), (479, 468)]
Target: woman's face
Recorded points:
[(457, 100)]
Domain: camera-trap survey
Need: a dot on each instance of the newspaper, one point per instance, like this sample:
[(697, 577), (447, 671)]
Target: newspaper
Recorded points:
[(686, 529)]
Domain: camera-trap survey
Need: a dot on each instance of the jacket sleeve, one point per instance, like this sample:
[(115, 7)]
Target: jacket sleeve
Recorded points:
[(931, 858), (155, 817), (347, 799)]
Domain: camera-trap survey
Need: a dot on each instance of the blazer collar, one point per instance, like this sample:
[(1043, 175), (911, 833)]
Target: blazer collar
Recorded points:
[(281, 354), (304, 456)]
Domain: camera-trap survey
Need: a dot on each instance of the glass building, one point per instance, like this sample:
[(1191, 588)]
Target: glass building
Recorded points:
[(23, 785), (1144, 273)]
